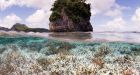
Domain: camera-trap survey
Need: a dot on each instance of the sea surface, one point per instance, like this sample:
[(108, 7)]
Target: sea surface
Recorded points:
[(76, 53)]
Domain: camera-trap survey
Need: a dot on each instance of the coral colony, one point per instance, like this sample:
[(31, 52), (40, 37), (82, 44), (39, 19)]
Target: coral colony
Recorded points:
[(28, 55)]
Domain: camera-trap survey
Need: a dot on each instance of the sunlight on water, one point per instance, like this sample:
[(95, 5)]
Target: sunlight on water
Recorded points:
[(28, 55)]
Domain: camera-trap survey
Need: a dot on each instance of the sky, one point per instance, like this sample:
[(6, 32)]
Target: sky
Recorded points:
[(107, 15)]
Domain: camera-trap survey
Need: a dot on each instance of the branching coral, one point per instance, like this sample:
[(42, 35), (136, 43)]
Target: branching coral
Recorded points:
[(66, 58)]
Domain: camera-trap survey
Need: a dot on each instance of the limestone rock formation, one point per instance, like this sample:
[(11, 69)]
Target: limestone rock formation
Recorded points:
[(70, 16)]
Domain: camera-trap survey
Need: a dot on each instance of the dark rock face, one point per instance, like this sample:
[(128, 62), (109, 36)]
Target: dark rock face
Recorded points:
[(37, 30), (67, 24), (4, 29), (23, 27)]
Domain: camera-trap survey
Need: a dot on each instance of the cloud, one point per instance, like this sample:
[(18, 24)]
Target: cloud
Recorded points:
[(38, 19), (115, 11), (103, 4), (0, 20), (100, 5), (136, 17), (6, 3), (10, 20), (97, 6), (38, 16), (117, 24), (109, 8), (40, 4)]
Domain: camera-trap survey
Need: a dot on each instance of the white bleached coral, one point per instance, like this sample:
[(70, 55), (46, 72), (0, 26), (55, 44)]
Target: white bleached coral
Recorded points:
[(67, 58)]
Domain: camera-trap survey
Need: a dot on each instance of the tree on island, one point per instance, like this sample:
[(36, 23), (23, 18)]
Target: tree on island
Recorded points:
[(70, 15)]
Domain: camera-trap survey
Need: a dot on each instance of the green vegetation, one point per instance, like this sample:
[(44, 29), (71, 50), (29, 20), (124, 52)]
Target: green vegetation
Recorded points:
[(54, 16), (75, 9), (21, 27), (25, 28)]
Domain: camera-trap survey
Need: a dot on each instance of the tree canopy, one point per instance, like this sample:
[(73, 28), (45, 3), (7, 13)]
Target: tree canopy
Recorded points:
[(75, 9)]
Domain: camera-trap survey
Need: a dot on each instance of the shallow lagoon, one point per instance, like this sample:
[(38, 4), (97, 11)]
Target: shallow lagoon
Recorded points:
[(69, 54)]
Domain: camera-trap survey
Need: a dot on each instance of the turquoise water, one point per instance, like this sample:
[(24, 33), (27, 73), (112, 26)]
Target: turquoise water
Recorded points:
[(39, 43), (28, 55)]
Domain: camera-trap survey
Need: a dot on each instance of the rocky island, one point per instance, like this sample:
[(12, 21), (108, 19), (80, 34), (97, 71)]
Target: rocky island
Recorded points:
[(22, 27), (70, 16), (4, 29)]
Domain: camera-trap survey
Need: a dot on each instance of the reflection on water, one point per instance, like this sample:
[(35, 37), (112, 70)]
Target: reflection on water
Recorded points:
[(85, 36), (96, 36), (71, 36)]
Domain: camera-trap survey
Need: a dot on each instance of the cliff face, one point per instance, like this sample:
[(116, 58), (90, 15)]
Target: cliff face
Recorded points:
[(69, 21)]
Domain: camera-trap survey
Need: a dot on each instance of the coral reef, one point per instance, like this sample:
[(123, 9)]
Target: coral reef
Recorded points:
[(41, 56)]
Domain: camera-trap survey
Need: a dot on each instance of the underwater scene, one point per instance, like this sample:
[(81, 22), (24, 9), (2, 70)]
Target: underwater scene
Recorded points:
[(69, 37), (32, 55)]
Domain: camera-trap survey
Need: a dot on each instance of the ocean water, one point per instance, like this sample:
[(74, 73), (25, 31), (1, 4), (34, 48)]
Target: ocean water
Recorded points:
[(69, 53)]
